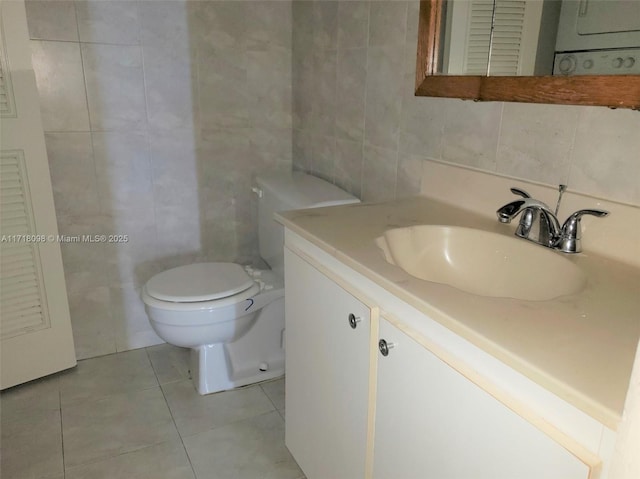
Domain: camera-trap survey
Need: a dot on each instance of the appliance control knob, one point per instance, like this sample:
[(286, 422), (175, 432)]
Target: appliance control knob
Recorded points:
[(587, 64), (567, 64), (629, 62), (617, 62)]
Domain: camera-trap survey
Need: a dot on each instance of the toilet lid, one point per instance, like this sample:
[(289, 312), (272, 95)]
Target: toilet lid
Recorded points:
[(199, 282)]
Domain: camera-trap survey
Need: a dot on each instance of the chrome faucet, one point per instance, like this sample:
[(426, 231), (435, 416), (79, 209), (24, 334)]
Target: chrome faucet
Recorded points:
[(539, 223)]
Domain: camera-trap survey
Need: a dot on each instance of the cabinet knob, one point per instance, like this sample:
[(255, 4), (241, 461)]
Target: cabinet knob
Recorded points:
[(354, 320), (384, 347)]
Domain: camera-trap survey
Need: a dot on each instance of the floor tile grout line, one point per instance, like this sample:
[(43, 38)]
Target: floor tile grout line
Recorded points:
[(266, 394), (108, 458), (164, 396), (248, 418), (107, 396), (64, 467)]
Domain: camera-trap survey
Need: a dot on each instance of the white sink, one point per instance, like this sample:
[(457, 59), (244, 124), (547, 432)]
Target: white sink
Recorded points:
[(482, 263)]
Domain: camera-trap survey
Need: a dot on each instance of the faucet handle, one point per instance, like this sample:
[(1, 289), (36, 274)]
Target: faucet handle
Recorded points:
[(507, 211), (520, 192), (569, 241)]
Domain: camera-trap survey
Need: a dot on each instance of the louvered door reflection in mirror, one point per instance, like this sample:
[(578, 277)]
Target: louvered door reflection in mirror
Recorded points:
[(501, 37)]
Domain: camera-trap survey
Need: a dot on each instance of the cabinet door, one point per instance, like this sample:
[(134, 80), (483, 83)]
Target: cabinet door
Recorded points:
[(327, 369), (431, 422)]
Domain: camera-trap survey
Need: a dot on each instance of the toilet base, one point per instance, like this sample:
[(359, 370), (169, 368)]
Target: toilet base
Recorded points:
[(256, 356)]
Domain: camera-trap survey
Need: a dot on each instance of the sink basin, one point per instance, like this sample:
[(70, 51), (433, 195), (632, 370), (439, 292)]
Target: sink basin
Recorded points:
[(481, 262)]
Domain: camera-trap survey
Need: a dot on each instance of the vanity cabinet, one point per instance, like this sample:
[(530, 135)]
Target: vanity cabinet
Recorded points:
[(356, 409), (327, 365), (432, 422)]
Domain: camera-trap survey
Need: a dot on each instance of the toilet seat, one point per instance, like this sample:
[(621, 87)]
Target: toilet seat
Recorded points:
[(238, 301), (195, 283)]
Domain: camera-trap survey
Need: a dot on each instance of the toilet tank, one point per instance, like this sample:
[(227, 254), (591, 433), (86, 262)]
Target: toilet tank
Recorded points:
[(289, 191)]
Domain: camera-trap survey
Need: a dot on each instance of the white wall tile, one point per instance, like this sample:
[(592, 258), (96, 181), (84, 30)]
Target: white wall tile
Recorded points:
[(268, 24), (123, 169), (131, 324), (178, 231), (605, 160), (323, 107), (536, 141), (387, 23), (269, 150), (91, 322), (409, 175), (324, 157), (379, 174), (58, 69), (348, 166), (470, 135), (325, 25), (351, 77), (176, 168), (220, 24), (171, 89), (225, 165), (269, 84), (169, 24), (222, 88), (132, 256), (302, 150), (73, 173), (115, 86), (353, 24), (111, 21), (384, 95), (49, 20), (85, 263), (422, 126)]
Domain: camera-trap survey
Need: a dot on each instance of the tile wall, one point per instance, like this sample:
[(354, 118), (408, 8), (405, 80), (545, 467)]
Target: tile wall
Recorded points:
[(356, 121), (157, 114)]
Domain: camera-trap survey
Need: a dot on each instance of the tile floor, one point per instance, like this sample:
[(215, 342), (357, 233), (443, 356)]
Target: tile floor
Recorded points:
[(136, 415)]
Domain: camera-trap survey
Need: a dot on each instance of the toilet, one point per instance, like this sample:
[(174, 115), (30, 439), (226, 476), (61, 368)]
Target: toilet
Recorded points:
[(232, 316)]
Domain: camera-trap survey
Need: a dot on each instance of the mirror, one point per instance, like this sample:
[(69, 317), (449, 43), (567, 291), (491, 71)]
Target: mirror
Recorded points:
[(540, 37), (583, 52)]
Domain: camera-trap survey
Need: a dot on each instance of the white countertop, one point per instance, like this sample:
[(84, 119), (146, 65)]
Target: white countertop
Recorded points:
[(581, 347)]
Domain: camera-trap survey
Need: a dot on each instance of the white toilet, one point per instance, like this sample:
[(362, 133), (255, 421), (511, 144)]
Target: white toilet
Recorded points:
[(232, 317)]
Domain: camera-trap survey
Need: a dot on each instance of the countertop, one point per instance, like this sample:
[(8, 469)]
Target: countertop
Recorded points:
[(581, 347)]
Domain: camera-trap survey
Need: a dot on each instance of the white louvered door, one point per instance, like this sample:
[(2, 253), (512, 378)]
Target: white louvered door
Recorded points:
[(472, 49), (35, 329)]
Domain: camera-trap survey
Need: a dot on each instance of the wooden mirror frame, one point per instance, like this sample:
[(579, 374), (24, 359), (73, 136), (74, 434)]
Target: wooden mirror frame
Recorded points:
[(614, 91)]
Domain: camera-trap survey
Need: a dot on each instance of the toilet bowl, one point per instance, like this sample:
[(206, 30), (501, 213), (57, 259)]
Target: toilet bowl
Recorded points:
[(232, 317), (213, 308)]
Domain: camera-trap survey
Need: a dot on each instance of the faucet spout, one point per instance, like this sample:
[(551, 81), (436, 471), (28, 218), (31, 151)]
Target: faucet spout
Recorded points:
[(538, 222), (510, 211)]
